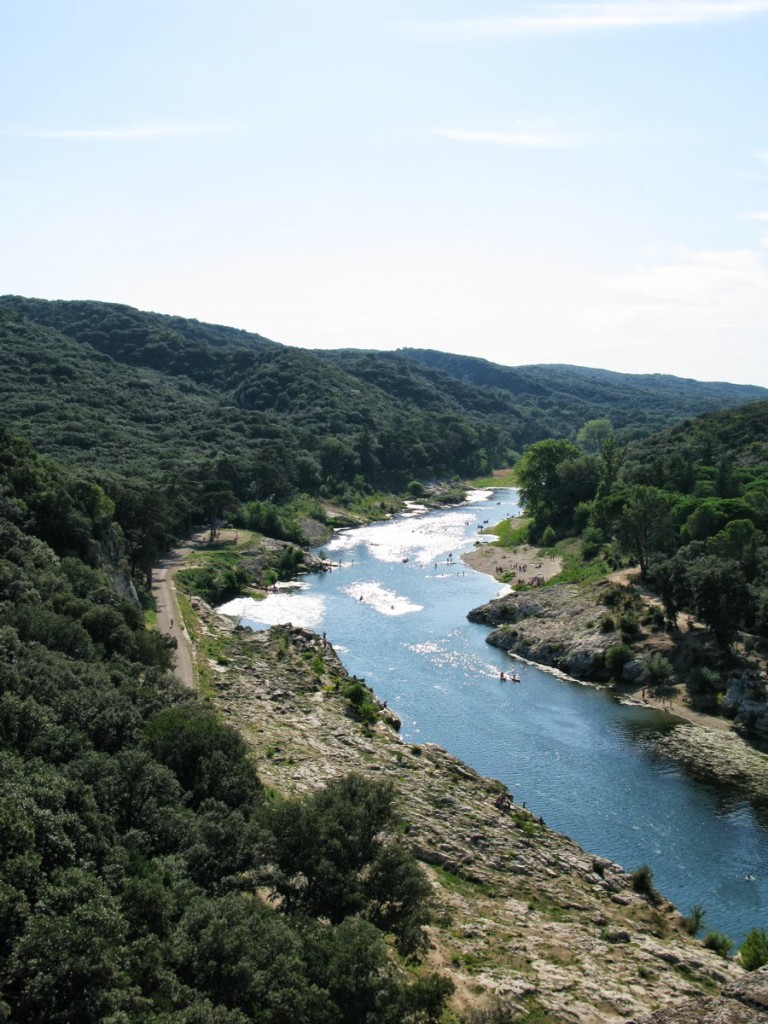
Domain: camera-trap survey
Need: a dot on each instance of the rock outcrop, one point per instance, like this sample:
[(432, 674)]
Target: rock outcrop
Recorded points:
[(720, 755), (743, 1002), (556, 626)]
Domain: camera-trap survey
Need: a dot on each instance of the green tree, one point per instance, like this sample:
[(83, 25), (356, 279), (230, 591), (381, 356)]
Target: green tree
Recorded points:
[(645, 528), (754, 950), (541, 485), (719, 594), (593, 435)]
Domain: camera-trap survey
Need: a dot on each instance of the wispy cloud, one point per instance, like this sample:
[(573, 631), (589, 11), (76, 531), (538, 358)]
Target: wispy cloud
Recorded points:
[(581, 17), (520, 139), (129, 134), (761, 215)]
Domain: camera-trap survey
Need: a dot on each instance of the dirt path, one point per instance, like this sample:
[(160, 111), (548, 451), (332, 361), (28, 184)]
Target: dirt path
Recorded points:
[(169, 621)]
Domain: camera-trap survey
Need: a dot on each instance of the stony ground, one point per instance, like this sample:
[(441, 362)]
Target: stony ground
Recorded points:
[(521, 911)]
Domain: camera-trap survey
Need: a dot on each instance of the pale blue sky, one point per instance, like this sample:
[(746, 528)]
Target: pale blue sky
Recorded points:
[(523, 181)]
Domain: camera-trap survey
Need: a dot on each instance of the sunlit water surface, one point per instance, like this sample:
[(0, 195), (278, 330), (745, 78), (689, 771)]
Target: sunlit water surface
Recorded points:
[(395, 611)]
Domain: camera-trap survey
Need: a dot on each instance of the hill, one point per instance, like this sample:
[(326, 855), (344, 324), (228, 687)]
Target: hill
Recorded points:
[(153, 383), (557, 399), (183, 422)]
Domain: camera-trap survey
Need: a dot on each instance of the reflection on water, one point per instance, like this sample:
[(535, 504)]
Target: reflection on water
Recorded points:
[(576, 757)]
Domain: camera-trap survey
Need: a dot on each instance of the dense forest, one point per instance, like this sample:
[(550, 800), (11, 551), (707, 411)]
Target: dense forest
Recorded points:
[(556, 400), (689, 506), (145, 874)]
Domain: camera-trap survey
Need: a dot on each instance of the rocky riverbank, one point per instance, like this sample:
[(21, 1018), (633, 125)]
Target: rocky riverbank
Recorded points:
[(553, 626), (522, 913), (564, 627)]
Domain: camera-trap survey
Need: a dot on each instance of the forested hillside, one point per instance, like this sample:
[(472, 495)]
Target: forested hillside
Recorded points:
[(555, 400), (111, 386), (145, 875), (195, 391), (689, 507), (181, 422)]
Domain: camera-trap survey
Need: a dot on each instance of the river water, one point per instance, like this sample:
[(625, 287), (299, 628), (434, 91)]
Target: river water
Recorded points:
[(395, 611)]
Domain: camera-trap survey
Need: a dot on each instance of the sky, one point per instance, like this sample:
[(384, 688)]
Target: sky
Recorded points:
[(524, 181)]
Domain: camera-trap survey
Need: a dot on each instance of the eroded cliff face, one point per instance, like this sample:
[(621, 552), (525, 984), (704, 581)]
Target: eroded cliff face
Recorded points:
[(521, 911)]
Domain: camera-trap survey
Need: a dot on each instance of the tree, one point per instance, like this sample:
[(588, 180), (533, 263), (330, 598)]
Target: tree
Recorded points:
[(645, 528), (70, 965), (541, 485), (719, 595), (593, 435), (242, 955), (740, 541), (754, 950), (335, 859)]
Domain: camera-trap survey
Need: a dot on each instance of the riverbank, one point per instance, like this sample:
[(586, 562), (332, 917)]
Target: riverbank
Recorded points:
[(564, 627), (521, 912)]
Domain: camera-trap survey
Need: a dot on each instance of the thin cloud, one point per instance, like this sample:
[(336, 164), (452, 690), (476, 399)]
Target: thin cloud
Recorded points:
[(584, 17), (762, 215), (118, 134), (512, 140)]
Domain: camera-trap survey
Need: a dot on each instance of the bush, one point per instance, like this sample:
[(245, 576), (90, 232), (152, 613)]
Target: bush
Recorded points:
[(628, 625), (693, 921), (659, 668), (548, 538), (703, 679), (754, 950), (616, 657), (591, 542), (718, 943), (654, 618), (642, 882)]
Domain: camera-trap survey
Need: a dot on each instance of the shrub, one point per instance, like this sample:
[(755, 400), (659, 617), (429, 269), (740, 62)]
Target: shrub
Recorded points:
[(628, 625), (642, 882), (718, 943), (703, 679), (548, 538), (607, 623), (654, 618), (591, 542), (754, 950), (616, 657), (659, 668), (693, 921)]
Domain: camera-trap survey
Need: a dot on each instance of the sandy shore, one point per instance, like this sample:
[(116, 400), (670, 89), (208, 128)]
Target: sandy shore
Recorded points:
[(522, 563)]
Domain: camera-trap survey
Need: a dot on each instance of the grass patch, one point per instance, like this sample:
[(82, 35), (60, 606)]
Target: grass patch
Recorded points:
[(544, 906), (463, 886), (499, 478), (510, 532), (575, 569)]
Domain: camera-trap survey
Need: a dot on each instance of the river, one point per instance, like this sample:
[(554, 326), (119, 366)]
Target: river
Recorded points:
[(395, 610)]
